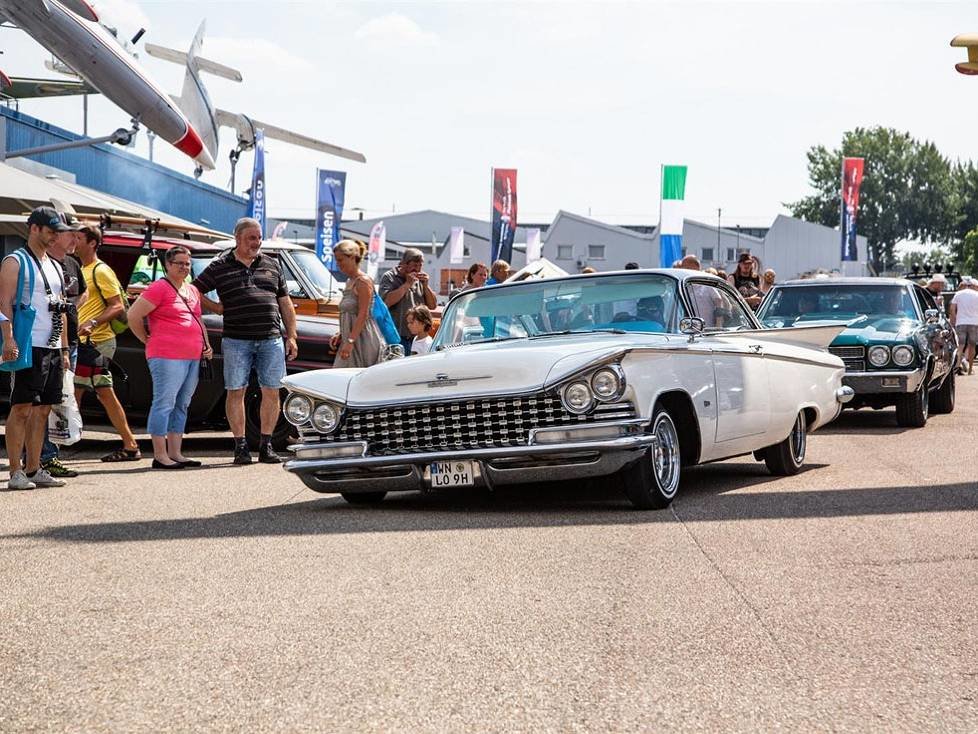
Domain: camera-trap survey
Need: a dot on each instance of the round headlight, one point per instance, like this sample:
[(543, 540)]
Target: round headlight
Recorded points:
[(577, 397), (297, 409), (325, 418), (879, 356), (605, 383), (903, 355)]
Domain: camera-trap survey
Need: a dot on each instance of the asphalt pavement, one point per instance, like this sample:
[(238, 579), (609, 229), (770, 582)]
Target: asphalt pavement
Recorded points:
[(232, 598)]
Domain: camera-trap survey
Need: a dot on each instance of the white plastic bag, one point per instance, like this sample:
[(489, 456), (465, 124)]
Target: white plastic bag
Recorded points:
[(65, 421)]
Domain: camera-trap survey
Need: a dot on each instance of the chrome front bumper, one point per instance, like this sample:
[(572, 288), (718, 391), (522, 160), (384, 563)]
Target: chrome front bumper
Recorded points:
[(544, 459), (892, 381)]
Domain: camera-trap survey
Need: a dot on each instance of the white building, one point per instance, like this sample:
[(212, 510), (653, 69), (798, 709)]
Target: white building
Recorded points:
[(790, 246)]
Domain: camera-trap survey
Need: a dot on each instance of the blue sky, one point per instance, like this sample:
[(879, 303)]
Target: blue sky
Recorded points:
[(587, 100)]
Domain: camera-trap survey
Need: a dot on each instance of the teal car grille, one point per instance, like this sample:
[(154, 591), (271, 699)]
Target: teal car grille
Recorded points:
[(853, 357)]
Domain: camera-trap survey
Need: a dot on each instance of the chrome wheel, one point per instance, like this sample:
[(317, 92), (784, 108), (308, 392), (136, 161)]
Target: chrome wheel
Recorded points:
[(665, 455), (799, 440)]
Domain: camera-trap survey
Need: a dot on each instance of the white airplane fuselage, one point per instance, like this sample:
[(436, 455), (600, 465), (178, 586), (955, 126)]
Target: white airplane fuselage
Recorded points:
[(97, 57)]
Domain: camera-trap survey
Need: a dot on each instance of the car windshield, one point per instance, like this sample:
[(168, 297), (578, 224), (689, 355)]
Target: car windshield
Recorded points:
[(316, 273), (791, 305), (538, 308)]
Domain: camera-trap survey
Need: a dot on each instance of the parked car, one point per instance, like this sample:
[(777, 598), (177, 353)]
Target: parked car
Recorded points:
[(635, 374), (898, 347), (138, 262)]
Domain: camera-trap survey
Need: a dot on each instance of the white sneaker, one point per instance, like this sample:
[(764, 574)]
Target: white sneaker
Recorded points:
[(19, 480), (43, 479)]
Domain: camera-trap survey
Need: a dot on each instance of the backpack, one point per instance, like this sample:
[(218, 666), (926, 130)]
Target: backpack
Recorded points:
[(120, 323)]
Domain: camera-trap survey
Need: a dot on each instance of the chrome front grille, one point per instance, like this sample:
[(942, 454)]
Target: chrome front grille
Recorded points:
[(853, 357), (475, 423)]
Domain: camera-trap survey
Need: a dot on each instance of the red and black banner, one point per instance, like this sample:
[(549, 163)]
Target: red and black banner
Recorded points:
[(852, 178), (503, 213)]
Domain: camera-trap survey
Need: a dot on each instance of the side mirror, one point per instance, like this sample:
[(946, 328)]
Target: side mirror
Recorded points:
[(932, 315), (692, 327)]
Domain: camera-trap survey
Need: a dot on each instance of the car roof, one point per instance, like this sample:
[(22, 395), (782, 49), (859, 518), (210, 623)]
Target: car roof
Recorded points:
[(844, 281), (131, 239)]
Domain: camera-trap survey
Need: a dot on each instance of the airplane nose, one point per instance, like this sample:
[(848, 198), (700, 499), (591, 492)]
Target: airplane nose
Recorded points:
[(193, 146)]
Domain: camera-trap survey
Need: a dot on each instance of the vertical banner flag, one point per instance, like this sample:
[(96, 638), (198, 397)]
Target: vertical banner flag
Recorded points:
[(256, 202), (534, 246), (375, 251), (279, 231), (456, 246), (852, 178), (329, 209), (671, 215), (503, 214)]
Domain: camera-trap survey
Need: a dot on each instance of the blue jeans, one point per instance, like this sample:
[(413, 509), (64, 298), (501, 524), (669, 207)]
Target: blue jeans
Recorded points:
[(174, 382), (267, 356), (49, 450)]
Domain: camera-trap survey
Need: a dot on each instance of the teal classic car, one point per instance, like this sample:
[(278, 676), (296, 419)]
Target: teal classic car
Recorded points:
[(898, 347)]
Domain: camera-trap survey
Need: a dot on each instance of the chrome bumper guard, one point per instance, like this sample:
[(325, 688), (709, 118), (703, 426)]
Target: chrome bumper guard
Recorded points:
[(570, 452), (866, 383)]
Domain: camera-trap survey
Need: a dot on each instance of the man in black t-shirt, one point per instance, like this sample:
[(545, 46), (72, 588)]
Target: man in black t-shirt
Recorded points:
[(256, 305), (62, 251)]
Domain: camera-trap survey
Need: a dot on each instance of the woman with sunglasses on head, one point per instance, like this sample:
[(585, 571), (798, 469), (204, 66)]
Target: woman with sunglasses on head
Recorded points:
[(359, 342), (176, 341)]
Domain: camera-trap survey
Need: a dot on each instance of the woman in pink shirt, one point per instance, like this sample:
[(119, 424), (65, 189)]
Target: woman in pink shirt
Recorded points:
[(176, 341)]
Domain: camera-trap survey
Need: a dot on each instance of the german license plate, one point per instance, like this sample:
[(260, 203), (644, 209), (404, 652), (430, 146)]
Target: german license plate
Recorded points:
[(452, 474)]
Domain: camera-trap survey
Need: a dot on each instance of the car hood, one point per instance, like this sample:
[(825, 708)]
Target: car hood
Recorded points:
[(876, 329), (469, 371)]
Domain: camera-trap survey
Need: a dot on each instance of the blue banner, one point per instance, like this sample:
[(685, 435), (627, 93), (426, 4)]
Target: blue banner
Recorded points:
[(670, 249), (330, 186), (256, 202)]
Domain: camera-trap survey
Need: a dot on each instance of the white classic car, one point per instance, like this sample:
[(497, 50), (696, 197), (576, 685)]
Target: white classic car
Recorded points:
[(635, 374)]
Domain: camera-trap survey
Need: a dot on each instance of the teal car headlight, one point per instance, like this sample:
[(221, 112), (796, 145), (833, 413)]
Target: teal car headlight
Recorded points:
[(879, 355), (903, 355)]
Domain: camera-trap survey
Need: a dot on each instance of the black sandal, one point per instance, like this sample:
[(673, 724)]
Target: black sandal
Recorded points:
[(123, 454)]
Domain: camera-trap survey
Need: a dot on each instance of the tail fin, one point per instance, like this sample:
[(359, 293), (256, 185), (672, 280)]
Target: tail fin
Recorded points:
[(192, 57)]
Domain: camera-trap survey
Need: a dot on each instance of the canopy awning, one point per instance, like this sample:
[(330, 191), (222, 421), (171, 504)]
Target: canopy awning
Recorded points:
[(21, 191)]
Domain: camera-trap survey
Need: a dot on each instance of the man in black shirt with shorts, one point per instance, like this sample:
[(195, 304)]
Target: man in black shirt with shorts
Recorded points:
[(256, 304)]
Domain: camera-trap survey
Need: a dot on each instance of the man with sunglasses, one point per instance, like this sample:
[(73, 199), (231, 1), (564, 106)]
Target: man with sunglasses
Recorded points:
[(36, 388), (255, 303)]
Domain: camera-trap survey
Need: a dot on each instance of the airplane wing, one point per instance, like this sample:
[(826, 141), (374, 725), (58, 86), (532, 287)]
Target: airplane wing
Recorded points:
[(23, 88), (246, 126)]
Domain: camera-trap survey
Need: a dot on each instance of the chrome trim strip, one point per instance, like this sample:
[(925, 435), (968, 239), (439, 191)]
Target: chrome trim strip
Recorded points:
[(626, 443), (890, 373), (634, 423)]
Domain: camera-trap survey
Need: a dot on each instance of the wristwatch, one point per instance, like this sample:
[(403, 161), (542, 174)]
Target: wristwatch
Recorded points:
[(351, 341)]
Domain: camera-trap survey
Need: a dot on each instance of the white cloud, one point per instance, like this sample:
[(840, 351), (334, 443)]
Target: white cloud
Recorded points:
[(394, 29), (245, 53)]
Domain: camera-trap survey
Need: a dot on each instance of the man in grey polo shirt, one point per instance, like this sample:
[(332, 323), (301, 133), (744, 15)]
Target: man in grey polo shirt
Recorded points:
[(405, 287)]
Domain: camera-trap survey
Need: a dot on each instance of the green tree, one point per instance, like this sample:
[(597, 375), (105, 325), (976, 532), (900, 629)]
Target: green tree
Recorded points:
[(906, 192), (964, 208), (968, 252)]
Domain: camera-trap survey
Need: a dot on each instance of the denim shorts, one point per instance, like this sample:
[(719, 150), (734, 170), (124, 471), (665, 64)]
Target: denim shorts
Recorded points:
[(266, 356)]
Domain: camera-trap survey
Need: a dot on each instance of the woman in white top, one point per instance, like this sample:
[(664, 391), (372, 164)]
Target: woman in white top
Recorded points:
[(420, 323)]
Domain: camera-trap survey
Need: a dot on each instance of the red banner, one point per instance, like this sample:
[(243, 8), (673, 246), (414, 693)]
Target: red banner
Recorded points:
[(852, 178), (503, 213)]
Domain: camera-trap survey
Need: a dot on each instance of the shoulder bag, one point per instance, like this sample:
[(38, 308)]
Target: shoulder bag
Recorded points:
[(206, 368), (23, 321), (120, 323)]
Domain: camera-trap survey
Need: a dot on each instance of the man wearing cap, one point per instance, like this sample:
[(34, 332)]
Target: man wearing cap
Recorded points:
[(964, 318), (64, 245), (101, 307), (404, 288), (35, 389)]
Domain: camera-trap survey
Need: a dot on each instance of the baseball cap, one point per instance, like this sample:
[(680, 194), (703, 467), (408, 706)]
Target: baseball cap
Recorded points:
[(71, 221), (45, 216)]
